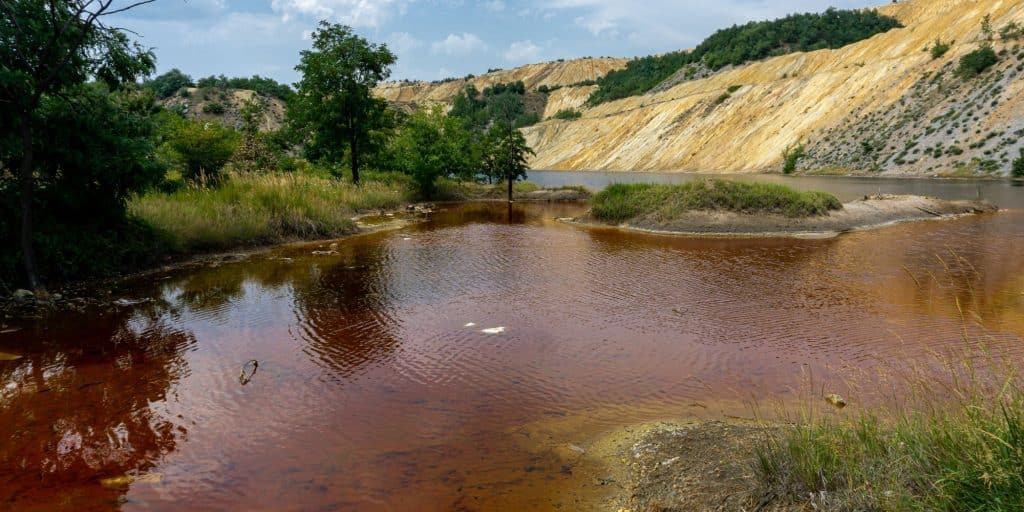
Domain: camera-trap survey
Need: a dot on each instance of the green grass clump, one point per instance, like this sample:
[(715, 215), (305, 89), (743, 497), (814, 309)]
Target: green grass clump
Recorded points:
[(260, 209), (622, 202), (955, 451)]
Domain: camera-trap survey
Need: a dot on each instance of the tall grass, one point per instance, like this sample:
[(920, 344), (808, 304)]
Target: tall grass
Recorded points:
[(252, 209), (953, 440), (622, 202)]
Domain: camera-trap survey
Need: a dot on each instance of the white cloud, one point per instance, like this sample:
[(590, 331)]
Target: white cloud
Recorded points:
[(675, 22), (523, 51), (455, 44), (403, 42), (358, 13), (494, 5)]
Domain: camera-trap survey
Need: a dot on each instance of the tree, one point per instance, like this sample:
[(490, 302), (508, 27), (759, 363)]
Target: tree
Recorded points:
[(48, 49), (430, 145), (506, 154), (165, 85), (334, 106), (202, 148)]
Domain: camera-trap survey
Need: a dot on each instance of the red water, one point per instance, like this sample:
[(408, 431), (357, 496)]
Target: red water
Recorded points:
[(372, 394)]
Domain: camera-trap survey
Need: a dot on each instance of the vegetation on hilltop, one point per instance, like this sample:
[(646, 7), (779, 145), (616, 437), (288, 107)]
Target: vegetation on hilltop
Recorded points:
[(622, 202), (172, 82), (744, 43)]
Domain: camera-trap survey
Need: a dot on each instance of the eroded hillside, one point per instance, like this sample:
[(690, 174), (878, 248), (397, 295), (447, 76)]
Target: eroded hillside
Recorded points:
[(224, 106), (550, 74), (882, 105)]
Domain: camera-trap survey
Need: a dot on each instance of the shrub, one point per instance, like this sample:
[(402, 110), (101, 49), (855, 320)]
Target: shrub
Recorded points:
[(791, 156), (568, 114), (939, 48), (976, 62), (1018, 166), (734, 88), (721, 99), (202, 149), (214, 108)]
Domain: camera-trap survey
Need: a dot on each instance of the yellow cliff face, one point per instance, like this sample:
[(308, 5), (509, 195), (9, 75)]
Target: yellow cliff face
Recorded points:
[(816, 98), (532, 75)]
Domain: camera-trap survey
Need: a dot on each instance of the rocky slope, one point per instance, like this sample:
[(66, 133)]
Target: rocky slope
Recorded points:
[(882, 105), (551, 74), (224, 106)]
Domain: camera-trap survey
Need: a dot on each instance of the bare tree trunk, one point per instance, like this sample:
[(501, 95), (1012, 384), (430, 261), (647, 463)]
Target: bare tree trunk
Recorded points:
[(353, 146), (509, 188), (26, 180)]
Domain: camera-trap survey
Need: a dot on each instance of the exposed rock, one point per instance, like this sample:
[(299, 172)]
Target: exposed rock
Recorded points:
[(23, 295)]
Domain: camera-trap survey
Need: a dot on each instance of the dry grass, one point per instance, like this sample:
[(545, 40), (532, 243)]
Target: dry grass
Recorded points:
[(260, 209)]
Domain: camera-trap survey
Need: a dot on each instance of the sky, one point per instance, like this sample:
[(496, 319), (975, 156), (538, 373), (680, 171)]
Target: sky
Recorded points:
[(435, 39)]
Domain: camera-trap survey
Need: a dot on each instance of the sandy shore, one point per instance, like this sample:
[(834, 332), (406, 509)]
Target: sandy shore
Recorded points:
[(868, 213)]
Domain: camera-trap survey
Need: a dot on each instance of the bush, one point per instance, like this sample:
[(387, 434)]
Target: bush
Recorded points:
[(214, 108), (1018, 166), (939, 48), (165, 85), (976, 62), (721, 99), (791, 156), (202, 149), (622, 202), (568, 114)]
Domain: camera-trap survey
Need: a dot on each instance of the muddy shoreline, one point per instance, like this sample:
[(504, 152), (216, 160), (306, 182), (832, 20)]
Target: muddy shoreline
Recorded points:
[(871, 212)]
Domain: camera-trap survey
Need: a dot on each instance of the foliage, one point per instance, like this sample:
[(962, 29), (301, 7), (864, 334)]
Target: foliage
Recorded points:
[(259, 209), (480, 110), (107, 140), (430, 145), (261, 85), (48, 50), (215, 108), (791, 156), (976, 62), (621, 202), (504, 155), (165, 85), (568, 114), (1012, 30), (744, 43), (939, 48), (202, 149), (334, 108), (1018, 166)]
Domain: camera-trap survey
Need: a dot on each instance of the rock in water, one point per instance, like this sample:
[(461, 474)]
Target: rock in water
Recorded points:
[(22, 295)]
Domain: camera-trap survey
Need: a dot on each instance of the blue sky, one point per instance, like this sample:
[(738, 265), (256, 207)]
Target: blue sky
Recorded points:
[(436, 38)]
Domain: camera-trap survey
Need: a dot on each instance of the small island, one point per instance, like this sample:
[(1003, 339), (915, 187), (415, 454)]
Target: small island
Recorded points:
[(714, 207)]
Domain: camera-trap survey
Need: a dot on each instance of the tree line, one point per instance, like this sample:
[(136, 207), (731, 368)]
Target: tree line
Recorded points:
[(740, 44), (81, 132)]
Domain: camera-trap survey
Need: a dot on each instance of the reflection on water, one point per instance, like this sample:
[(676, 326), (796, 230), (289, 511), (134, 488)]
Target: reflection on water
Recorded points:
[(375, 393)]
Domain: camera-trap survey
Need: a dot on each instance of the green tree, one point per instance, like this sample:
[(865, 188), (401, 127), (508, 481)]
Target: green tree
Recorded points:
[(202, 148), (334, 106), (1018, 166), (430, 145), (507, 153), (165, 85), (48, 50)]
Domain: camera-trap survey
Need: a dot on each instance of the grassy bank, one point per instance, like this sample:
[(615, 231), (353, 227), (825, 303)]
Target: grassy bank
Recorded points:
[(955, 443), (261, 209), (622, 202)]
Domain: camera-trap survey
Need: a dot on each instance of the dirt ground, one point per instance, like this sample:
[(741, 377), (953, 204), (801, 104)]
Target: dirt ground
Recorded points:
[(669, 467)]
